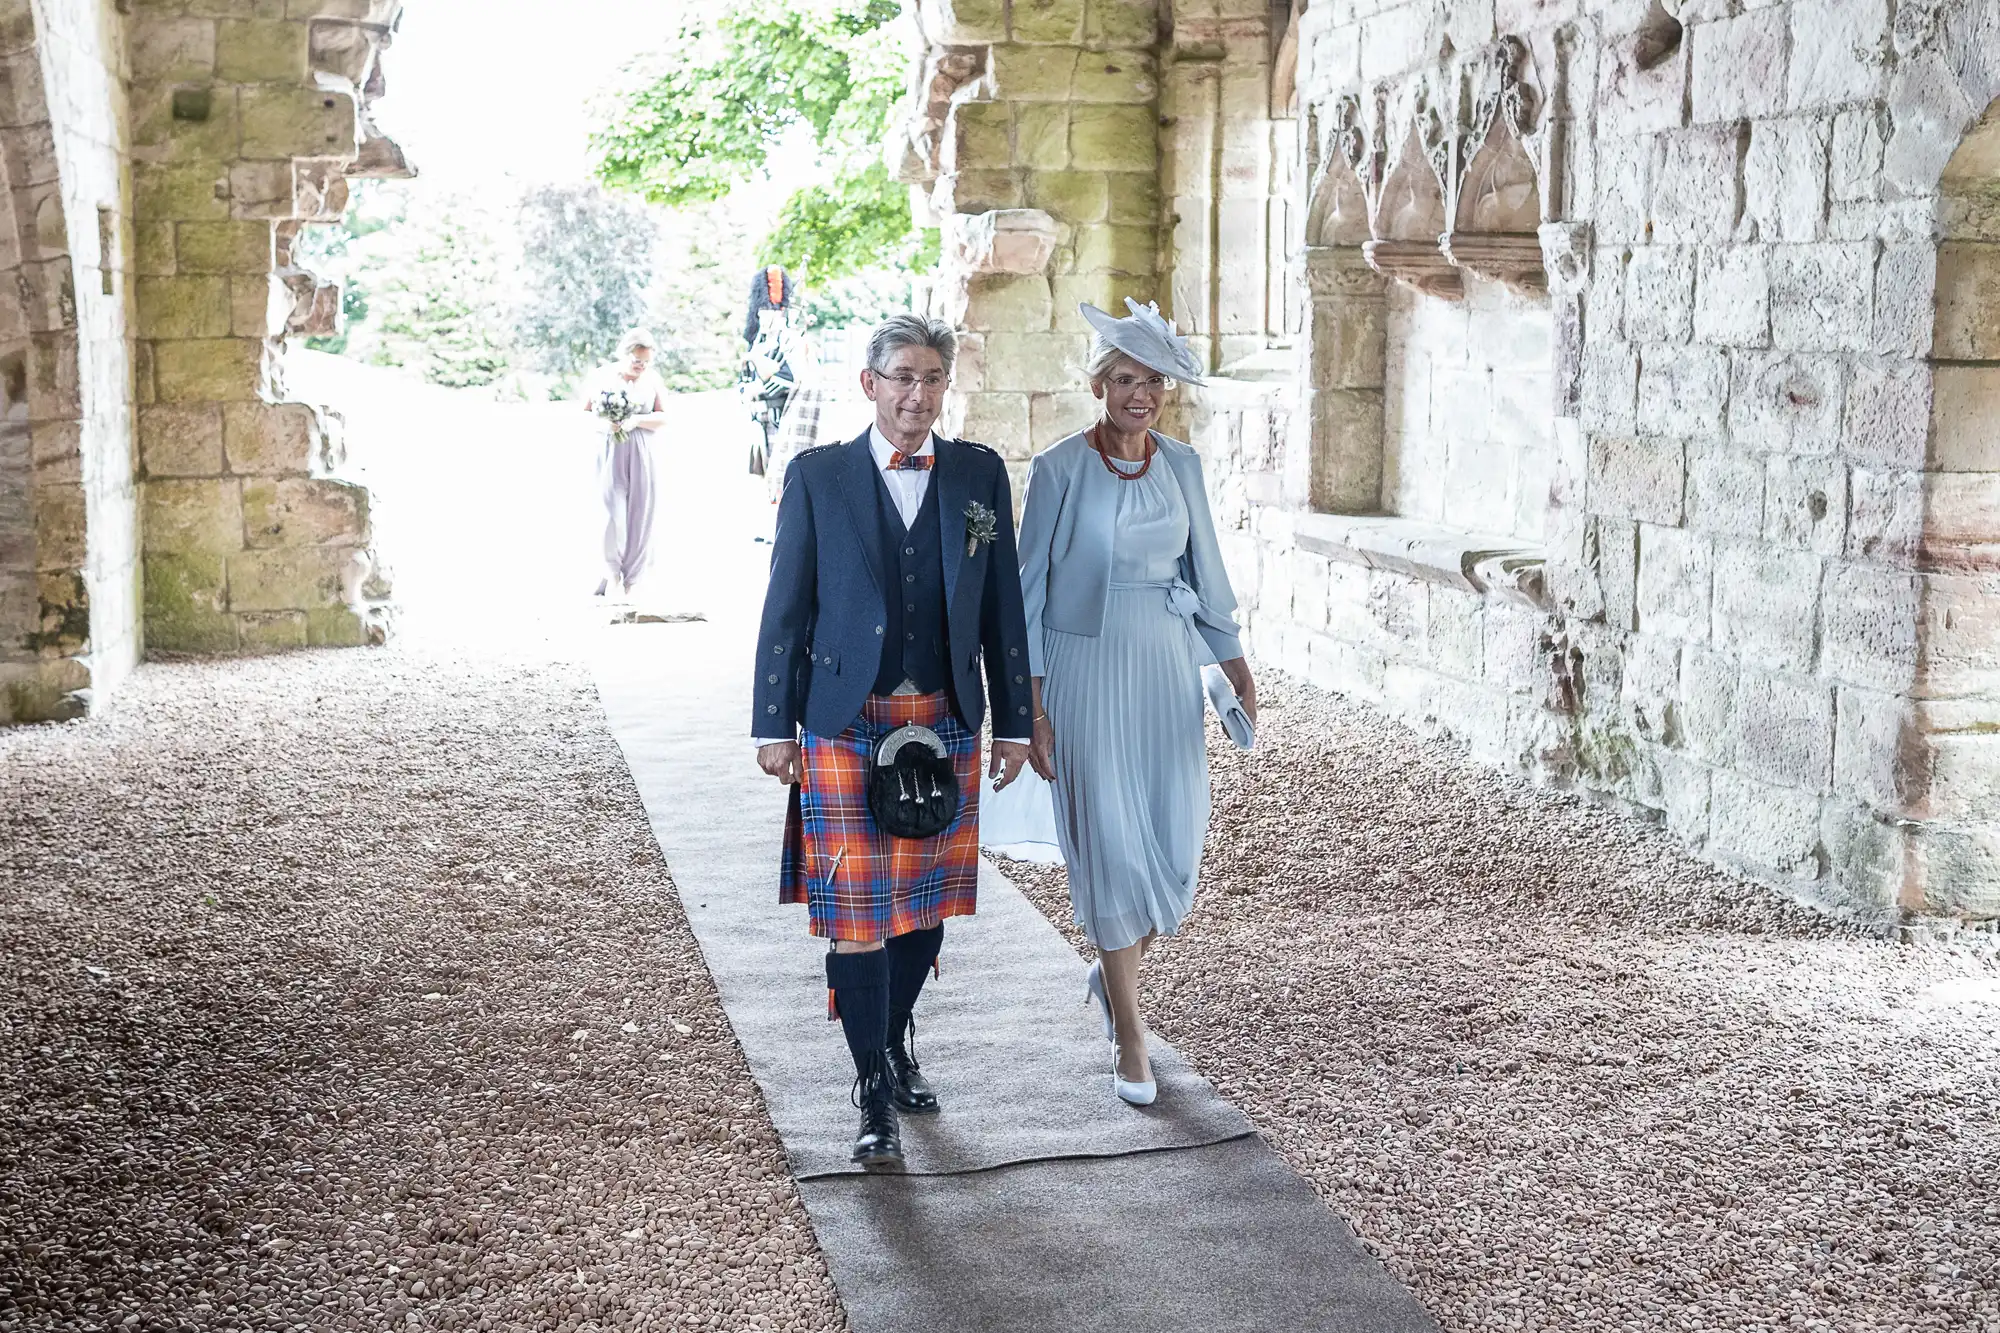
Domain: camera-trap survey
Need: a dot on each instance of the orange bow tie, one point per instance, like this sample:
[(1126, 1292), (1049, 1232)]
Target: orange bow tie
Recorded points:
[(900, 461)]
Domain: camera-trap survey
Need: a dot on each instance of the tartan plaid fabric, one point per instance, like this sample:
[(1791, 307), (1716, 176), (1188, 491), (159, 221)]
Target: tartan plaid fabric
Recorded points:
[(858, 882), (798, 432)]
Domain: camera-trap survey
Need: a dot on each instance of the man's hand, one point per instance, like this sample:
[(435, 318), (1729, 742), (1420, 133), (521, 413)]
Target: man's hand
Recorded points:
[(1008, 756), (781, 761)]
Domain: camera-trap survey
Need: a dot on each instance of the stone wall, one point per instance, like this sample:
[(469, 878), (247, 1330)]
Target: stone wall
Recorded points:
[(67, 509), (248, 118), (1737, 301)]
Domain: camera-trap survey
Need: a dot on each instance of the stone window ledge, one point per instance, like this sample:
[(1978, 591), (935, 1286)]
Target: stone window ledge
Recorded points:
[(1479, 562)]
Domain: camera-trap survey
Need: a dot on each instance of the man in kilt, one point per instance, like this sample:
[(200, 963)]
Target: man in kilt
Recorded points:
[(893, 580)]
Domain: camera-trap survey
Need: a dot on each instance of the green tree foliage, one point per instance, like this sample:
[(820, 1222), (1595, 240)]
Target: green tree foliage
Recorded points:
[(735, 81), (439, 295), (586, 264)]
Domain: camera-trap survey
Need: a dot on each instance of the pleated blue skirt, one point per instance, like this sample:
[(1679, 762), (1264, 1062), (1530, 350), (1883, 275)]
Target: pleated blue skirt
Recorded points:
[(1131, 786)]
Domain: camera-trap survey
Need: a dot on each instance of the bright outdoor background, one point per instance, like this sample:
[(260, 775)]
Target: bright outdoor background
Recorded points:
[(584, 168)]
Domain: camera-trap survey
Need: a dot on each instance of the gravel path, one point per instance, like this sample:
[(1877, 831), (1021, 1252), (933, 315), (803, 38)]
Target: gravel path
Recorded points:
[(1561, 1075), (348, 991)]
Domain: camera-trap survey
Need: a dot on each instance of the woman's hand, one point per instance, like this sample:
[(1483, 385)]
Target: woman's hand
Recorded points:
[(1042, 750), (1238, 671)]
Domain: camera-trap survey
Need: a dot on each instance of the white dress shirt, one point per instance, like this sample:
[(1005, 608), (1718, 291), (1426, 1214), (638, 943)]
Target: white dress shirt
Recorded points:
[(907, 487)]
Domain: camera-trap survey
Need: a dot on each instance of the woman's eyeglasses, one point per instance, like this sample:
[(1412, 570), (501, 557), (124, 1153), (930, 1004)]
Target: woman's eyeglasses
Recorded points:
[(1157, 383), (905, 383)]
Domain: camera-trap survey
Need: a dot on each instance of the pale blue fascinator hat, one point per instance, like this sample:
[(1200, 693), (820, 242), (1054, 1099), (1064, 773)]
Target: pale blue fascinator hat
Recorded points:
[(1147, 338)]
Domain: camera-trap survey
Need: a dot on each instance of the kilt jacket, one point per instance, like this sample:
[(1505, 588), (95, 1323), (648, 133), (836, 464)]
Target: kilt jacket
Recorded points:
[(820, 644)]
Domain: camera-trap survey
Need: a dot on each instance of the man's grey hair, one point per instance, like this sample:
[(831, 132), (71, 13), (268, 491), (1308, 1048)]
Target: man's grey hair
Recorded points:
[(910, 330)]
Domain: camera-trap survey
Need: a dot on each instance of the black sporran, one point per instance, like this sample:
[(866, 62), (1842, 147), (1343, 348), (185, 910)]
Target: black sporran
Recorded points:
[(912, 790)]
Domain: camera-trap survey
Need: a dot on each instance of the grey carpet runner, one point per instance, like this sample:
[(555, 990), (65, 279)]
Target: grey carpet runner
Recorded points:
[(1035, 1200)]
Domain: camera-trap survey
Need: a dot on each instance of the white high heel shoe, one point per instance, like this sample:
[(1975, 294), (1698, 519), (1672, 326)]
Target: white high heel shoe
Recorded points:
[(1135, 1094), (1093, 987)]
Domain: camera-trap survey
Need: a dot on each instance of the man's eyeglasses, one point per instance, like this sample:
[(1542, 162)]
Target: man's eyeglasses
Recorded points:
[(1157, 383), (904, 383)]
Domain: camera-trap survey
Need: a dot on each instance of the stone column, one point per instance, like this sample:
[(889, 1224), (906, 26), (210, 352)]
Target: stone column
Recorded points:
[(1341, 384), (246, 122)]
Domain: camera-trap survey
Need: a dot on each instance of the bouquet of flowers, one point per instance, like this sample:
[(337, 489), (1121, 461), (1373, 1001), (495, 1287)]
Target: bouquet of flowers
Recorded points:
[(616, 407)]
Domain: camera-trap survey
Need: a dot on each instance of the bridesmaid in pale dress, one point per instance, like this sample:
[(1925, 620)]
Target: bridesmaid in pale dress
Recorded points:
[(1126, 599), (625, 463)]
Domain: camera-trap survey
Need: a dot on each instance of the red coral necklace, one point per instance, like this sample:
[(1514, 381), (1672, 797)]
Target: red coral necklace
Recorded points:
[(1094, 439)]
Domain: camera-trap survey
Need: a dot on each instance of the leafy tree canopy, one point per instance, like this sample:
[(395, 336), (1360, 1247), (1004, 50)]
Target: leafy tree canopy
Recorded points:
[(740, 77), (586, 262)]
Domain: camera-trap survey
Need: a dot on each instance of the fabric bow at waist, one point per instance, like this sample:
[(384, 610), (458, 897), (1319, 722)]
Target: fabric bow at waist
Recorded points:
[(1181, 599)]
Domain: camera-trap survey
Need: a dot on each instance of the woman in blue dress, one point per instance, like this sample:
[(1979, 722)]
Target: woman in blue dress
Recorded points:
[(1126, 600)]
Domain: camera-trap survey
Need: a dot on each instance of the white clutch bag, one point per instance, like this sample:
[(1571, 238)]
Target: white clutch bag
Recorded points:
[(1229, 708)]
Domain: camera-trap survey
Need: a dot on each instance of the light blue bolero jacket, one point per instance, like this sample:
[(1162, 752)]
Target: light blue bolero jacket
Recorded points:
[(1068, 524)]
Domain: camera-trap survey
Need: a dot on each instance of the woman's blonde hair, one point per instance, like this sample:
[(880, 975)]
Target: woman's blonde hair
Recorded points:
[(1103, 356), (635, 338)]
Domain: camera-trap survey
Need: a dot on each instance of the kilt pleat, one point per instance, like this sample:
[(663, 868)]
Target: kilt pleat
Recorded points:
[(857, 881)]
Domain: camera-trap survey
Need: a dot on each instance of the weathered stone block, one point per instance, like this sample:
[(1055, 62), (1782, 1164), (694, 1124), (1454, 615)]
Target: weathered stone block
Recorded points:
[(1056, 21), (1887, 415), (1052, 416), (1960, 871), (1104, 248), (1965, 420), (1733, 297), (1739, 66), (1637, 478), (1697, 182), (1041, 137), (1114, 138), (1767, 606), (225, 247), (999, 420), (339, 627), (1885, 515), (260, 190), (1633, 99), (1116, 76), (1854, 159), (1683, 390), (60, 525), (295, 122), (1786, 730), (1766, 829), (197, 191), (1073, 196), (1659, 294), (153, 249), (1805, 503), (1675, 567), (1784, 179), (1034, 362), (1840, 51), (1822, 296), (271, 631), (1961, 527), (186, 597), (261, 51), (301, 511), (183, 307), (168, 48), (1019, 304), (1879, 757), (1135, 200), (1706, 708), (1610, 388), (1123, 22), (290, 579), (964, 21), (1868, 626), (212, 369), (181, 441), (1726, 491), (1009, 240), (1968, 301), (1032, 73), (1959, 637), (978, 137), (192, 517), (265, 438)]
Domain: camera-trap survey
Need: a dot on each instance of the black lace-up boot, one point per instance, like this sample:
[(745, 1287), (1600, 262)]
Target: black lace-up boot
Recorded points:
[(860, 986), (911, 957)]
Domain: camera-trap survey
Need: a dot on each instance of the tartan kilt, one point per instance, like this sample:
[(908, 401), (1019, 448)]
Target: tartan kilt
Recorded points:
[(880, 886)]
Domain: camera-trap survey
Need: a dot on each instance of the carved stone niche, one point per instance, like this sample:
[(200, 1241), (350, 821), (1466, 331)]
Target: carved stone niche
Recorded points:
[(1421, 264), (1513, 259)]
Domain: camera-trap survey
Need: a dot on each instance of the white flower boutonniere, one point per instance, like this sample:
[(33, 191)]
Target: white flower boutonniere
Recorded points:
[(981, 527)]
